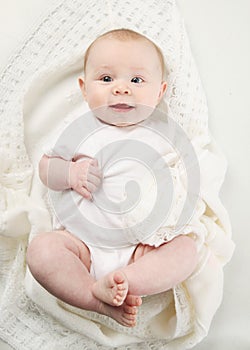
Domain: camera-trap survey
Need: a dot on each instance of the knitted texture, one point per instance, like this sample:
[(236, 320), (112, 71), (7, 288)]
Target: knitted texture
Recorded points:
[(53, 52)]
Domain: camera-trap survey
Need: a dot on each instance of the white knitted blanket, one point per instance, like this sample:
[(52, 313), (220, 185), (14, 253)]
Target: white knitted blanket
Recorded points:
[(38, 90)]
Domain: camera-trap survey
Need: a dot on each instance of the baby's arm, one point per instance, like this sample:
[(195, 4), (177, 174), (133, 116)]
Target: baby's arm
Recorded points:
[(58, 174)]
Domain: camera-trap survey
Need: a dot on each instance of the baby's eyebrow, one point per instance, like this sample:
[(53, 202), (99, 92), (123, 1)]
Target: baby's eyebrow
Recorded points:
[(135, 70), (104, 66), (140, 70), (103, 69)]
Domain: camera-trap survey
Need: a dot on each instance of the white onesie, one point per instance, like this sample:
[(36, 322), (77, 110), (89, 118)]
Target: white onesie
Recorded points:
[(136, 193)]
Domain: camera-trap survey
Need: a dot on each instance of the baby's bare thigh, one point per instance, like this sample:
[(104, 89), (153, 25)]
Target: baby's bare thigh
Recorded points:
[(78, 247), (140, 251)]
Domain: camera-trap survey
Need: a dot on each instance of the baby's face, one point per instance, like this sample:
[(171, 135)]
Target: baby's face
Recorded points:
[(123, 80)]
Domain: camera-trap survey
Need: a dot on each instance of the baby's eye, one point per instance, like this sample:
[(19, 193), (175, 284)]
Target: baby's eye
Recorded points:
[(106, 79), (137, 80)]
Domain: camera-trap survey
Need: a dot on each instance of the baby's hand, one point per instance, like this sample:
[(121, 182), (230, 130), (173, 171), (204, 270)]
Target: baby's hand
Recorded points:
[(85, 177)]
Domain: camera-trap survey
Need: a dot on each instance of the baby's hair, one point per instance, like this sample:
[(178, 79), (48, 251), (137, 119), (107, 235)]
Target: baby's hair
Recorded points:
[(124, 35)]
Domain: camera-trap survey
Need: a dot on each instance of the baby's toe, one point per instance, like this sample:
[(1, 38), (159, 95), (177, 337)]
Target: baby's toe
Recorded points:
[(119, 277), (133, 300), (117, 301), (130, 309)]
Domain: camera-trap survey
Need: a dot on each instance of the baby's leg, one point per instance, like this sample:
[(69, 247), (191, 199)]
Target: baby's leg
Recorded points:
[(60, 262), (162, 268)]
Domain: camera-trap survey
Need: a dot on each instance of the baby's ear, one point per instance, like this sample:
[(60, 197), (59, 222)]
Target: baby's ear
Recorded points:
[(163, 89), (82, 87)]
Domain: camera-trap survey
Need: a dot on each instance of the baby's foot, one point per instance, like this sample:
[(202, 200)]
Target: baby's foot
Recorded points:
[(111, 289), (126, 313)]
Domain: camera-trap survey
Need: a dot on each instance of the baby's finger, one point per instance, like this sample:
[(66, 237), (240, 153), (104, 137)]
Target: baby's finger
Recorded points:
[(91, 187), (94, 171), (83, 191), (94, 162), (94, 180)]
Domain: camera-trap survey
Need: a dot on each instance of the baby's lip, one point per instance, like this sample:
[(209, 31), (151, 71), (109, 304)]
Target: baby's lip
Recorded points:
[(122, 107)]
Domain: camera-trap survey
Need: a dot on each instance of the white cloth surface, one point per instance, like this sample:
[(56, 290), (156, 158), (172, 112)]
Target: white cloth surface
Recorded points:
[(113, 219), (105, 260), (114, 148), (38, 105)]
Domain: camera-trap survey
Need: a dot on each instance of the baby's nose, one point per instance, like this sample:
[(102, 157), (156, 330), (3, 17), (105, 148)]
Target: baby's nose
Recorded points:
[(121, 89)]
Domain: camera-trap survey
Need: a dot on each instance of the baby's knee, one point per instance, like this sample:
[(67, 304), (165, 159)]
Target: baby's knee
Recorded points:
[(188, 246), (40, 250)]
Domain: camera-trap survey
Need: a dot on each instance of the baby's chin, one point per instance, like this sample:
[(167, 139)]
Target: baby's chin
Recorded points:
[(123, 119), (120, 124)]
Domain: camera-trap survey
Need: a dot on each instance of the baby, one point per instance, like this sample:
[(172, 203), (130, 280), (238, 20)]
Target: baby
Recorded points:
[(123, 84)]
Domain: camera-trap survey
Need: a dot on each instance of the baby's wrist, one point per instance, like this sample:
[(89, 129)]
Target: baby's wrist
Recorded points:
[(59, 174), (70, 175)]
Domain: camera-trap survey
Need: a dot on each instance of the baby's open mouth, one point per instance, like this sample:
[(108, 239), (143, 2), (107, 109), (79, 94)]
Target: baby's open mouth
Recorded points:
[(122, 107)]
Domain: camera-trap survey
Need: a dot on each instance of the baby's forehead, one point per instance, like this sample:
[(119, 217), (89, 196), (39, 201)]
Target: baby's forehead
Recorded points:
[(100, 42), (104, 43)]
